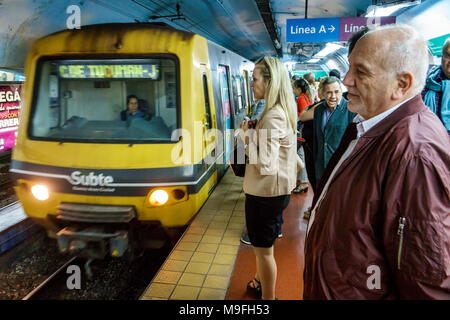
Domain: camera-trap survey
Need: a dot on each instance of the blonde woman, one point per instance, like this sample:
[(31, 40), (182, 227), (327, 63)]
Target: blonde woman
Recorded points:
[(271, 174)]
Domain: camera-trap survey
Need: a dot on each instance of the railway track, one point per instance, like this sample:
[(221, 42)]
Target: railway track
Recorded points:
[(5, 157), (58, 276), (112, 278), (5, 179), (5, 182), (7, 194)]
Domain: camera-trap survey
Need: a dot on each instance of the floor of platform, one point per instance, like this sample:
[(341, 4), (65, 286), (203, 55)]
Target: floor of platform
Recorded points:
[(210, 263), (289, 255), (201, 263)]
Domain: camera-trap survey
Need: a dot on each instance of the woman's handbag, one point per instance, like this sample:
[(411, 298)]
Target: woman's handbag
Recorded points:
[(238, 160)]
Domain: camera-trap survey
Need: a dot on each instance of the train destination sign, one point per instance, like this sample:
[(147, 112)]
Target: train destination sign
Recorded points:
[(329, 29), (114, 71)]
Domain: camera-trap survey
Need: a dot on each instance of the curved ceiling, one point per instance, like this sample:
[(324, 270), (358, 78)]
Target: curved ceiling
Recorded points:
[(252, 28), (294, 9), (234, 24)]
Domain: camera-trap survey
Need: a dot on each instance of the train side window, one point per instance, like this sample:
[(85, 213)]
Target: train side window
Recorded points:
[(237, 94), (243, 93), (224, 73), (246, 88), (250, 90), (207, 104)]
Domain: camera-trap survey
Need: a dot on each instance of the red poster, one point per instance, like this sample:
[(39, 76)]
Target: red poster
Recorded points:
[(10, 102)]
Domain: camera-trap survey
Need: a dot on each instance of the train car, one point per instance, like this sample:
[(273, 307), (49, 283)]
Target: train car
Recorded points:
[(100, 184)]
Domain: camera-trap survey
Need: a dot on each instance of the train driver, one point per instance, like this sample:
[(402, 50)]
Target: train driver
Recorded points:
[(132, 109)]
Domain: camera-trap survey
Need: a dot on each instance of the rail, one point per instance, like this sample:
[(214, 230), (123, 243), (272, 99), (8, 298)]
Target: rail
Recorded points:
[(34, 294)]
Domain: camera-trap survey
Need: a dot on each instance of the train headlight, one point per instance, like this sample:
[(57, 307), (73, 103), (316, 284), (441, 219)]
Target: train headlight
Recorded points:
[(159, 197), (40, 192)]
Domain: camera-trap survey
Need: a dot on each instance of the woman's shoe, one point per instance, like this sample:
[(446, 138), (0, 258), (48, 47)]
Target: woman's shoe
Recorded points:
[(300, 189), (255, 290), (304, 190), (307, 214), (303, 187), (245, 239)]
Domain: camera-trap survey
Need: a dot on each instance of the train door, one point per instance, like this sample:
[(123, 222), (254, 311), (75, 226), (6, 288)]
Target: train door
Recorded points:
[(208, 123), (224, 80)]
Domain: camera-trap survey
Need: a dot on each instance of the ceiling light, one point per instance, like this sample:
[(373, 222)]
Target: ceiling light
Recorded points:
[(329, 48), (375, 11)]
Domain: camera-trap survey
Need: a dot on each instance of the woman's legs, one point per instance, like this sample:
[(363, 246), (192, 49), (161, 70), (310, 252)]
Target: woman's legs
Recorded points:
[(262, 218), (266, 271), (309, 164), (302, 175)]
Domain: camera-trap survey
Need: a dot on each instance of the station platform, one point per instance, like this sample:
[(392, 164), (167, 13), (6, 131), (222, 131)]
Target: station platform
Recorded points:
[(11, 215), (15, 226), (210, 263)]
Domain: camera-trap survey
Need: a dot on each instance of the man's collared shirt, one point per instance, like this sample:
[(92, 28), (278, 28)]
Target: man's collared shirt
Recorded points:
[(327, 114), (363, 125)]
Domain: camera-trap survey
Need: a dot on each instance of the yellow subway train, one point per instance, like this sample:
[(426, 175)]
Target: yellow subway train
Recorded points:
[(103, 183)]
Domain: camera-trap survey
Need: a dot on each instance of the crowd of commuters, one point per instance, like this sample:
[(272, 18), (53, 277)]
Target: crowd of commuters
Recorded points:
[(377, 159)]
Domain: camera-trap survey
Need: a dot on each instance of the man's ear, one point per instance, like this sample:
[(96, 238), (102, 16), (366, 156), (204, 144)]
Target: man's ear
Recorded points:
[(403, 83)]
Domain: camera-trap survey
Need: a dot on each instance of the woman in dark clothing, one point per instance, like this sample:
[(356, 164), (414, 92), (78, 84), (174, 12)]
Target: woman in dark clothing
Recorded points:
[(300, 89), (308, 135)]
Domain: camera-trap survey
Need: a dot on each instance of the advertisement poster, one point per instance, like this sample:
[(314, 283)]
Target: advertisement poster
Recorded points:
[(10, 102)]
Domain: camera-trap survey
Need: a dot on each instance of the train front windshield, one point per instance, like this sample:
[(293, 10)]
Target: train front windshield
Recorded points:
[(86, 100)]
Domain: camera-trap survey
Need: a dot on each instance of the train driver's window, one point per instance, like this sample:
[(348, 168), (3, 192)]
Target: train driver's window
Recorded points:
[(87, 100)]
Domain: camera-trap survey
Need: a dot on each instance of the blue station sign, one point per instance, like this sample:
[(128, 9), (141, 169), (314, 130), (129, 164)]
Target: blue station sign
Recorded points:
[(329, 29), (312, 30)]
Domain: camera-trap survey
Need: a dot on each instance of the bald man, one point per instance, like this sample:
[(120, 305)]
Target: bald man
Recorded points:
[(380, 224)]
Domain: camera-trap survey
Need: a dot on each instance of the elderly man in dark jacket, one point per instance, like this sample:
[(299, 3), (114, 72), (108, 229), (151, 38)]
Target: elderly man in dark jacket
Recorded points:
[(331, 117), (380, 224)]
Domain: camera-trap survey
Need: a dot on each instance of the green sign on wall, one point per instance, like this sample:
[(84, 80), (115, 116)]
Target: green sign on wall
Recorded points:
[(317, 74), (436, 44)]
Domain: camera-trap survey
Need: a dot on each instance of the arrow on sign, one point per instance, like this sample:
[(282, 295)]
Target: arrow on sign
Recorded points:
[(332, 28)]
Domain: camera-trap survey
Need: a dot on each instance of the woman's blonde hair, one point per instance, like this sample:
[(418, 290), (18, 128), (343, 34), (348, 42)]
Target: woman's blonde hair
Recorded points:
[(310, 92), (278, 89)]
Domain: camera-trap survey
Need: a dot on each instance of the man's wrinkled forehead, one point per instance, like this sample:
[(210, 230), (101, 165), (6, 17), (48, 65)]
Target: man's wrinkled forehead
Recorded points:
[(331, 87)]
